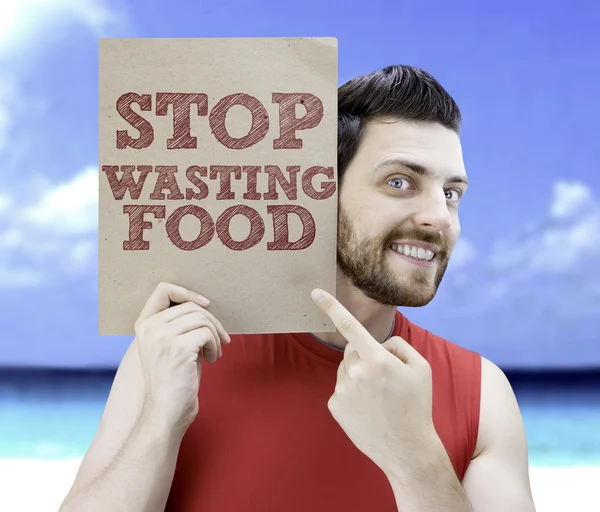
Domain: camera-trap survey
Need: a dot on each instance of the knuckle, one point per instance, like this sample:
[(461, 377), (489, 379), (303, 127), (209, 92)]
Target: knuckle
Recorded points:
[(356, 373), (150, 332), (398, 342), (332, 403), (206, 334), (426, 367), (193, 307), (141, 328), (346, 325)]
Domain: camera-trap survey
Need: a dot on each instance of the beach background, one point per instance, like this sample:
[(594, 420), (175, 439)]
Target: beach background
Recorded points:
[(523, 288)]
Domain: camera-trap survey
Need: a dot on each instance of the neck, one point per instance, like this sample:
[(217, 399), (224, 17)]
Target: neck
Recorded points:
[(376, 318)]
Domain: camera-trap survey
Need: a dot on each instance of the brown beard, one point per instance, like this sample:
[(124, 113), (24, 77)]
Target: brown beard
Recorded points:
[(364, 263)]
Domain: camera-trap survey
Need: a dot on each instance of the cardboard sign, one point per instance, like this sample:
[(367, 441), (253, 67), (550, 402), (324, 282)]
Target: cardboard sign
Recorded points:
[(218, 172)]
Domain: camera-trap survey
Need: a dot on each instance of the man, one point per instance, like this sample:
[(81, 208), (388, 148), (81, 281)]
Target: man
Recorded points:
[(380, 415)]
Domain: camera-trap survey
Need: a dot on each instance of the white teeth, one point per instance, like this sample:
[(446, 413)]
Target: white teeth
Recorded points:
[(414, 252)]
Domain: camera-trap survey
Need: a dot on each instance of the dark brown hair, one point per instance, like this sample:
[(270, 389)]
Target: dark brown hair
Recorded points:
[(402, 92)]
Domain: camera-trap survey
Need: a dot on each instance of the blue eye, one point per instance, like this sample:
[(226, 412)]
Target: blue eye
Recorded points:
[(452, 194), (398, 182)]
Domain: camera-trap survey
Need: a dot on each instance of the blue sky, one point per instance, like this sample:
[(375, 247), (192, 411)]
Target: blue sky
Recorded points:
[(524, 286)]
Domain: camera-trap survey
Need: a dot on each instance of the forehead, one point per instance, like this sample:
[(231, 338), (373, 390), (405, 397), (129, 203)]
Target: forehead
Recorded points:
[(429, 145)]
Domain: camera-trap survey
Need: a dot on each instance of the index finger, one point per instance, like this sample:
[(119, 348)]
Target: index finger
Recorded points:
[(166, 293), (348, 326)]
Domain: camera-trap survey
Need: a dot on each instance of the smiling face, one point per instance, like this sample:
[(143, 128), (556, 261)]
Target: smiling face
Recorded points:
[(398, 210)]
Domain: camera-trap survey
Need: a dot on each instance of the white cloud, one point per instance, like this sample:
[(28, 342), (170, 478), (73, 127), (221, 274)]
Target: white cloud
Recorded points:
[(54, 236), (24, 21), (5, 203), (81, 255), (569, 235), (14, 277), (569, 199), (29, 29), (69, 208)]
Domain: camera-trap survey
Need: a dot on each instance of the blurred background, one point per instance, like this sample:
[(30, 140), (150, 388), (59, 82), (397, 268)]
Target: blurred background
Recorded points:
[(523, 288)]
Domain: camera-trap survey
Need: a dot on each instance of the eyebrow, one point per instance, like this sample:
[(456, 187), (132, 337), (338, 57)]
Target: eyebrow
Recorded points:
[(419, 169)]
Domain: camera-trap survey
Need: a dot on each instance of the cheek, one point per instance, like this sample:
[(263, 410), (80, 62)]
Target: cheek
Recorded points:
[(356, 206), (366, 222), (457, 226), (453, 234), (370, 213)]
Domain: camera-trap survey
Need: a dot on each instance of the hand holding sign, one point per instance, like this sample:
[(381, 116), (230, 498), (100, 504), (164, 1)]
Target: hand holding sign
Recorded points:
[(383, 396), (171, 342)]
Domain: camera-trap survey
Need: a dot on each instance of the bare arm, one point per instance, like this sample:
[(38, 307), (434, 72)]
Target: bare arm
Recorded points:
[(497, 479), (131, 461), (430, 483), (154, 398)]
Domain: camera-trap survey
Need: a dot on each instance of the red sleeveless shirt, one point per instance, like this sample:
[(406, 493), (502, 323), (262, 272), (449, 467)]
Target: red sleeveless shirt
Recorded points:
[(264, 439)]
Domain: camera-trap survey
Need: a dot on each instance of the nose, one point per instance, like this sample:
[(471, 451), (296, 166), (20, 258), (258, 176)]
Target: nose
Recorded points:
[(432, 213)]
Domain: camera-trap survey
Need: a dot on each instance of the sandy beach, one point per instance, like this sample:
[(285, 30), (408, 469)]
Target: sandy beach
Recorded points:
[(39, 486)]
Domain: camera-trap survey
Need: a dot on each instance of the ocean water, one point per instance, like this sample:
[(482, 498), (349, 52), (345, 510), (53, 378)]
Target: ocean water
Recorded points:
[(561, 413), (48, 419), (54, 415)]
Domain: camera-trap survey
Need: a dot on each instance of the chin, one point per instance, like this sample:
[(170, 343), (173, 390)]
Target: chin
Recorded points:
[(418, 290), (399, 294), (416, 302)]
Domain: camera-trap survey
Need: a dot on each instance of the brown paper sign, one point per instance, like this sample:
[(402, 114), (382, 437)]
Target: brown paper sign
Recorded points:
[(218, 173)]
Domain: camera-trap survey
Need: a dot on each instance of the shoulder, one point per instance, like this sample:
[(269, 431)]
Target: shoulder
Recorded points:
[(494, 378), (456, 370), (497, 394), (438, 350), (499, 410), (499, 469)]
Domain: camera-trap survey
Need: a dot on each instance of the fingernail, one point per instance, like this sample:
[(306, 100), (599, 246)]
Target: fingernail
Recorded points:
[(204, 300), (317, 296)]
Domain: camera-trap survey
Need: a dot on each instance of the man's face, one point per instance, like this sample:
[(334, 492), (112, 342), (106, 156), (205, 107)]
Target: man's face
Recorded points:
[(398, 210)]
